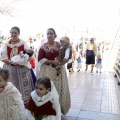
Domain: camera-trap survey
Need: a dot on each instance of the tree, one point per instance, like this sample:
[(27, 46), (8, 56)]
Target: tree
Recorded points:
[(38, 35), (106, 42), (7, 7)]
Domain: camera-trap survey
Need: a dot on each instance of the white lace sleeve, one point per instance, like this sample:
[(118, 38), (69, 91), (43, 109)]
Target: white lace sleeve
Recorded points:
[(18, 100), (3, 52)]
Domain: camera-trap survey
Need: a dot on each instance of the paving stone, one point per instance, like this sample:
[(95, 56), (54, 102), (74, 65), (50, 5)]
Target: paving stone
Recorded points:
[(93, 97)]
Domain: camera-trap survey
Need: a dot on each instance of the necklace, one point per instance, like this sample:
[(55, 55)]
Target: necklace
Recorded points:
[(51, 44), (14, 42)]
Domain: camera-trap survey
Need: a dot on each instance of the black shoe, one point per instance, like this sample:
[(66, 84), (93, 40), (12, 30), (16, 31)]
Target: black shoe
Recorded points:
[(78, 71), (96, 71)]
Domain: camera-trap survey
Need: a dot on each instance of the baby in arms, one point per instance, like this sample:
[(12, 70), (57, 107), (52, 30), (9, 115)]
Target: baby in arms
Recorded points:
[(23, 58)]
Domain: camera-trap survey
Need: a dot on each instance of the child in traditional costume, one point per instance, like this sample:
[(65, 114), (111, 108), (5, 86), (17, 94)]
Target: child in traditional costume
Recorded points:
[(11, 104), (44, 102), (23, 58), (98, 63), (65, 52)]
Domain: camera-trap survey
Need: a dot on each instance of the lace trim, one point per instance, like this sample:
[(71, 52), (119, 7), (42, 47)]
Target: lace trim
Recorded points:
[(48, 97), (40, 101), (15, 45)]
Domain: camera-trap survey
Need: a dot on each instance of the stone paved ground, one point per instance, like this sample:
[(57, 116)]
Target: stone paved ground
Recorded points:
[(94, 97)]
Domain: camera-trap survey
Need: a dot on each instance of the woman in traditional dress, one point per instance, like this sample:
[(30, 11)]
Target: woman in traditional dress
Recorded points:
[(46, 66), (20, 76), (90, 52)]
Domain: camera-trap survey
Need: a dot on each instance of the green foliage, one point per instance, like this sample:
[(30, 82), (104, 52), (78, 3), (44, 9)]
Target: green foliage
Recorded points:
[(39, 34), (106, 42)]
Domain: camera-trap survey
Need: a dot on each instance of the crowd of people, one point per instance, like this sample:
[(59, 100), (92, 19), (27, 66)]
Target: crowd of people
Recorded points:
[(34, 81)]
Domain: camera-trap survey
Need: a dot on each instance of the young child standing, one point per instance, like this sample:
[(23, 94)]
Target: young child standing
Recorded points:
[(44, 102), (11, 104), (79, 66), (98, 63)]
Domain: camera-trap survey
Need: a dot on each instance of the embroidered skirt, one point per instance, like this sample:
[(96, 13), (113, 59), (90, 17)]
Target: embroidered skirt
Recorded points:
[(22, 78)]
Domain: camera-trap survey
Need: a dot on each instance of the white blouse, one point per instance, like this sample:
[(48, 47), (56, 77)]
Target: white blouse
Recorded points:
[(90, 47), (67, 53)]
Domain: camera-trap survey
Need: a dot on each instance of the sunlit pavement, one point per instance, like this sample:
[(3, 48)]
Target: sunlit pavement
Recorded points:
[(94, 96)]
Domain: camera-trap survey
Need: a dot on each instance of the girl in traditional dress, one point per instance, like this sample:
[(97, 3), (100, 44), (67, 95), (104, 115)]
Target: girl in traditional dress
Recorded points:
[(47, 61), (11, 104), (90, 52), (44, 101), (22, 77)]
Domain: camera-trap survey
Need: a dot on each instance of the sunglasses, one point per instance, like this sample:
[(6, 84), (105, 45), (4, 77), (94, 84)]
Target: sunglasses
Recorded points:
[(91, 39)]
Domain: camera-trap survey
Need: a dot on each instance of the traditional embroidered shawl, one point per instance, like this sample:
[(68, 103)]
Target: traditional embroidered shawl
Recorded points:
[(11, 104), (8, 50)]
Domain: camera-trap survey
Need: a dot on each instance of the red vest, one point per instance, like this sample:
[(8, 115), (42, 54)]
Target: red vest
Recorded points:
[(20, 48), (45, 109)]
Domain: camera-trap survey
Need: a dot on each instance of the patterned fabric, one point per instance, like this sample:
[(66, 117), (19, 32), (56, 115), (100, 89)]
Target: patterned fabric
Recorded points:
[(61, 84), (21, 77), (62, 52), (8, 50), (11, 104), (61, 81), (48, 52)]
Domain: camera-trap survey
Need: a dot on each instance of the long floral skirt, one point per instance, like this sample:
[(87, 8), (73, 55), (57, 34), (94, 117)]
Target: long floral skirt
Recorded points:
[(61, 84), (22, 78)]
